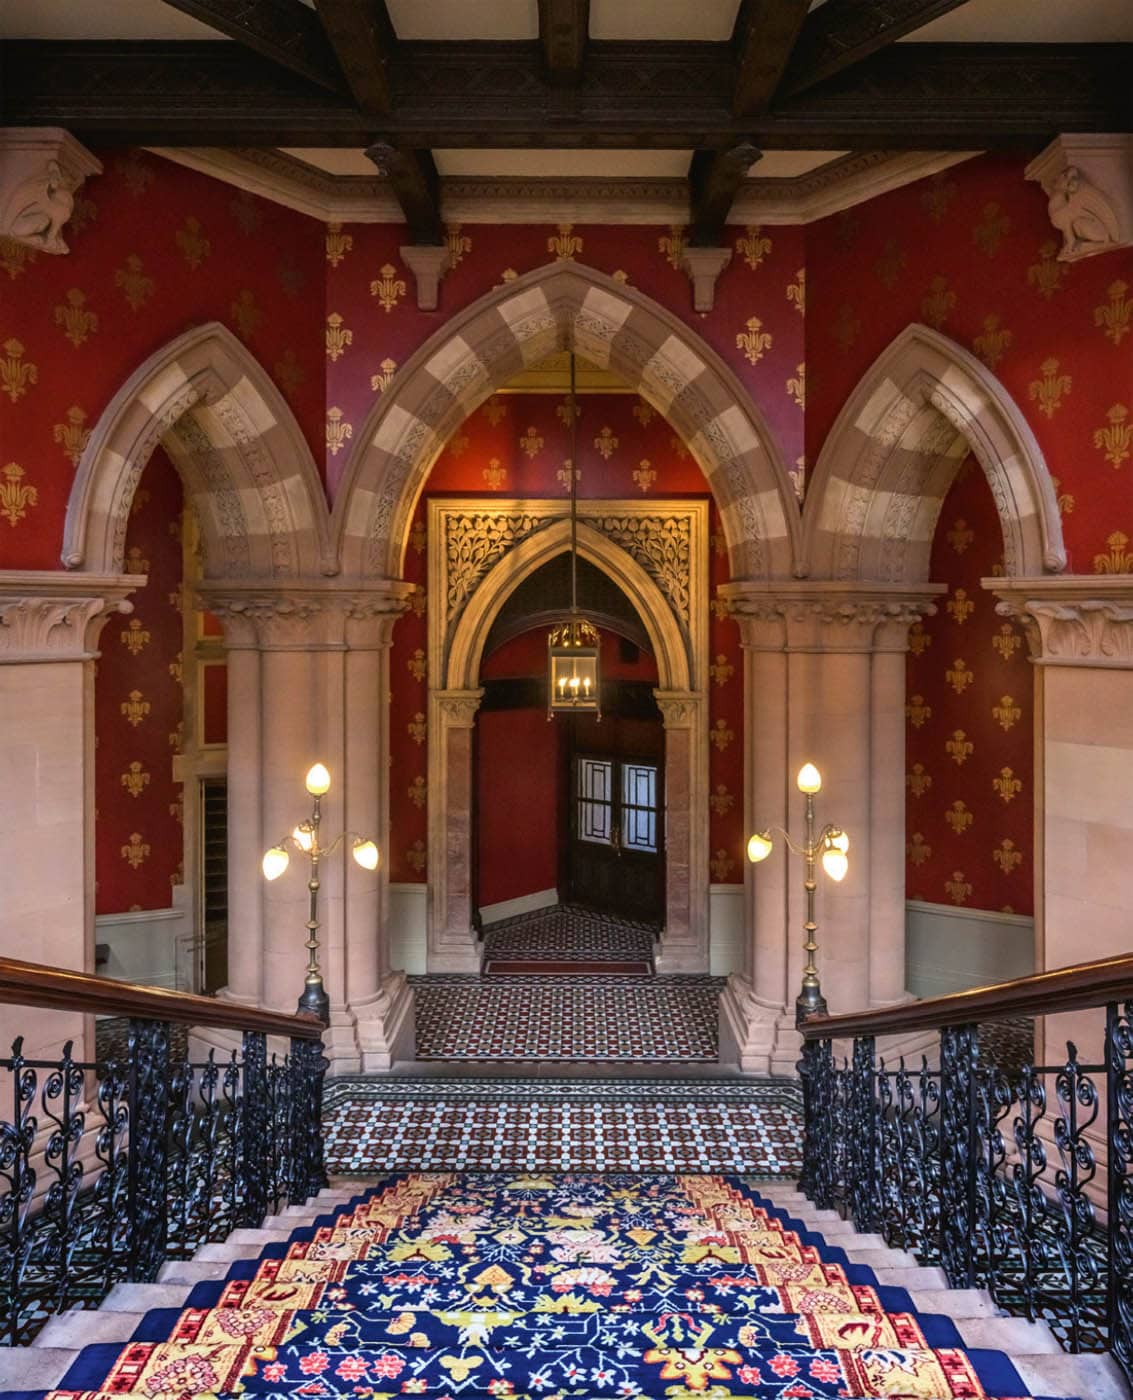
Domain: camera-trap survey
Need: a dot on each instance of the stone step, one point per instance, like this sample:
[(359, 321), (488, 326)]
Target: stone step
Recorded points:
[(920, 1276), (880, 1258), (1092, 1377), (954, 1302), (82, 1327), (261, 1236), (142, 1297), (229, 1253), (34, 1368), (1013, 1335), (190, 1271)]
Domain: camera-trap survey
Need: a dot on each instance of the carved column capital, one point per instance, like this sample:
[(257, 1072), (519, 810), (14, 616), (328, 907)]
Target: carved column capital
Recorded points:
[(1088, 179), (458, 707), (679, 708), (52, 616), (822, 616), (1075, 620), (41, 169), (335, 616)]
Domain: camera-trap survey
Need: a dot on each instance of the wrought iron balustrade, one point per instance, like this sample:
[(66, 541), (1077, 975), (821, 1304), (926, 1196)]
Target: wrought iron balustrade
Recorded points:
[(1020, 1182), (112, 1164)]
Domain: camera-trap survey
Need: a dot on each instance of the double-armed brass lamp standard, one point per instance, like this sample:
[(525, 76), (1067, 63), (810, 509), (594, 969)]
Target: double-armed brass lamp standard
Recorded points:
[(306, 840), (828, 845)]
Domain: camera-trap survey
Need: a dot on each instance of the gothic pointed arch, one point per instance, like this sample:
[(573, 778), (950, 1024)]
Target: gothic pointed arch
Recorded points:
[(519, 324), (244, 461), (894, 450)]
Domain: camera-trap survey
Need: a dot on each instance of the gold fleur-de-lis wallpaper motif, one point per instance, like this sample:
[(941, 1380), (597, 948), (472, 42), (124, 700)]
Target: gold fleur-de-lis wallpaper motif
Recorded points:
[(992, 229), (917, 849), (176, 737), (1119, 560), (418, 537), (1006, 712), (1006, 641), (960, 607), (72, 436), (672, 244), (1065, 500), (417, 790), (565, 243), (606, 443), (937, 198), (960, 536), (17, 495), (338, 244), (494, 475), (1006, 856), (135, 779), (644, 412), (721, 670), (338, 432), (917, 780), (796, 385), (1115, 441), (1048, 391), (15, 257), (136, 851), (721, 735), (531, 442), (78, 323), (416, 665), (380, 382), (753, 245), (415, 857), (135, 708), (721, 866), (959, 675), (246, 313), (1115, 314), (994, 340), (754, 341), (959, 747), (16, 373), (919, 639), (418, 601), (176, 668), (644, 475), (133, 281), (890, 264), (191, 240), (1006, 785), (917, 712), (958, 888), (417, 727), (388, 287), (1046, 275), (721, 801), (494, 410), (939, 301), (796, 292), (135, 636), (458, 244), (176, 810), (338, 337), (958, 817)]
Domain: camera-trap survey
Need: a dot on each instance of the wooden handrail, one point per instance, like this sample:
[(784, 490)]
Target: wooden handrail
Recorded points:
[(34, 984), (1077, 988)]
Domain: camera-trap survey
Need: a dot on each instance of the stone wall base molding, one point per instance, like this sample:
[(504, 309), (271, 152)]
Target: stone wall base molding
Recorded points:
[(384, 1026)]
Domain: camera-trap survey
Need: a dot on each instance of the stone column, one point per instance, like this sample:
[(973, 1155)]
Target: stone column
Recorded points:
[(684, 942), (887, 815), (452, 943), (49, 628)]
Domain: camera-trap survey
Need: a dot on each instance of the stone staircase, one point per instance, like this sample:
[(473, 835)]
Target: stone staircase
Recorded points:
[(1046, 1370)]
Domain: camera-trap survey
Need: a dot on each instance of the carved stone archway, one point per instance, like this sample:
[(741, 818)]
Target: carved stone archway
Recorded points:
[(246, 466), (564, 305), (893, 452), (479, 553)]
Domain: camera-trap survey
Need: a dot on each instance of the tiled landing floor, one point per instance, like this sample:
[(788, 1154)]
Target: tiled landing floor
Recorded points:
[(567, 934), (563, 1125)]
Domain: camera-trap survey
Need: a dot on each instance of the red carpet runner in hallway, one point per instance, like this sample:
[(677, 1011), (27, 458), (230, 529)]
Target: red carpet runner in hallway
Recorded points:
[(587, 1286)]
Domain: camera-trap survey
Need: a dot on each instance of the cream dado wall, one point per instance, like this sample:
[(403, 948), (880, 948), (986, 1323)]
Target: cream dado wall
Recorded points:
[(949, 949)]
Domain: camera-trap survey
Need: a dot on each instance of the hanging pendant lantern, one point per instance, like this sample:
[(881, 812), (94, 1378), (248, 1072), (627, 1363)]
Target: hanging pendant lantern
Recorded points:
[(572, 645)]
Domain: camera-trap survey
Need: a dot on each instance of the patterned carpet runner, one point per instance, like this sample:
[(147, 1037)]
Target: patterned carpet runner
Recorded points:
[(380, 1124), (489, 1286)]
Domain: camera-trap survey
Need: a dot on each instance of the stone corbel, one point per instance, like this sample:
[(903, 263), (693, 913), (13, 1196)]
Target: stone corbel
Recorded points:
[(1083, 620), (704, 266), (428, 265), (48, 616), (41, 169), (1088, 180)]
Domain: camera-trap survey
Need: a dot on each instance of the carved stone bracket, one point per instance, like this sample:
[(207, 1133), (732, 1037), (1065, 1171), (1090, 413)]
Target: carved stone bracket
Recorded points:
[(679, 708), (824, 616), (41, 169), (704, 266), (458, 707), (57, 617), (1083, 620), (428, 265), (1088, 181)]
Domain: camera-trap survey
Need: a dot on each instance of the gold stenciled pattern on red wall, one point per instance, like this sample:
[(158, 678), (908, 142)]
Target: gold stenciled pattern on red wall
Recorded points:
[(138, 707), (526, 439), (969, 768)]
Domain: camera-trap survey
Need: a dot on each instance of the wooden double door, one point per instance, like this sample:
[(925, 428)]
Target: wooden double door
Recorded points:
[(615, 857)]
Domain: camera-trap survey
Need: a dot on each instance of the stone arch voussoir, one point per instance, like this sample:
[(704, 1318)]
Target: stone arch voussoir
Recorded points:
[(519, 324), (881, 477), (246, 466)]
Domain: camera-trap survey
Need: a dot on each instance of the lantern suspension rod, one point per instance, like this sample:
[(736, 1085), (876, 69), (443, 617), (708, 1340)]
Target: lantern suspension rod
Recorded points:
[(573, 492)]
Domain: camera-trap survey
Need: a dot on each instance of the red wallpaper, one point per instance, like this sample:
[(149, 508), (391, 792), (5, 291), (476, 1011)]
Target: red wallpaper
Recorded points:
[(972, 252), (970, 763), (516, 444), (155, 249), (138, 712)]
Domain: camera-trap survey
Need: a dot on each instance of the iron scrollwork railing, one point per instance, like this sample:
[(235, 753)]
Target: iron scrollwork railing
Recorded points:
[(113, 1164), (1018, 1179)]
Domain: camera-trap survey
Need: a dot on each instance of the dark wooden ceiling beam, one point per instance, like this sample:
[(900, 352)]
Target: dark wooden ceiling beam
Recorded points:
[(364, 41), (714, 180), (564, 31), (763, 39), (285, 31), (655, 96), (413, 177), (843, 32)]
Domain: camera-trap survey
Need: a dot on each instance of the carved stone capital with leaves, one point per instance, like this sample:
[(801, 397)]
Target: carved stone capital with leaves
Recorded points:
[(58, 617), (1075, 620)]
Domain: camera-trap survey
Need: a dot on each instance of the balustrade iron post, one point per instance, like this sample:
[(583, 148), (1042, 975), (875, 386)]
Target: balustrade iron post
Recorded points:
[(255, 1147), (18, 1176), (1119, 1236), (817, 1073), (959, 1069), (864, 1180), (308, 1068), (149, 1126)]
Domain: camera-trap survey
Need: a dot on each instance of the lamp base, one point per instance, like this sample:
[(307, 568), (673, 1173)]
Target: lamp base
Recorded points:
[(809, 1002), (315, 1001)]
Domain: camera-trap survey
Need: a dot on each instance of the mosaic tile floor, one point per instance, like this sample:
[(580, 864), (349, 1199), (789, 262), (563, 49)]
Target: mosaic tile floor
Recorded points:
[(566, 934), (574, 1018), (563, 1125)]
